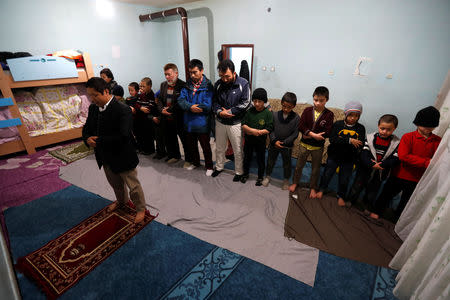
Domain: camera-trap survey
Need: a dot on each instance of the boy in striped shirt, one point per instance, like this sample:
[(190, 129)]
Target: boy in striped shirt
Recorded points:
[(378, 157)]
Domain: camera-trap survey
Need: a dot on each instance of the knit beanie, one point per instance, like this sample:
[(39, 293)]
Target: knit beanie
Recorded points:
[(352, 107), (260, 94), (427, 117)]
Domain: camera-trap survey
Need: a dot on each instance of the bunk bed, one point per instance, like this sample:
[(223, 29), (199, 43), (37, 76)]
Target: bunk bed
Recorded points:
[(25, 141)]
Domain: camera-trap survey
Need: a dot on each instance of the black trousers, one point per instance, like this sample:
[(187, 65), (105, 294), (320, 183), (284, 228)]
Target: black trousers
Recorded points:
[(172, 129), (392, 187), (255, 144), (345, 172), (144, 132), (370, 181), (272, 155), (159, 138), (192, 139)]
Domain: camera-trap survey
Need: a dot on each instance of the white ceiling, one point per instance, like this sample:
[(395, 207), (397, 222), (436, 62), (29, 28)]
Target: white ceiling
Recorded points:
[(157, 3)]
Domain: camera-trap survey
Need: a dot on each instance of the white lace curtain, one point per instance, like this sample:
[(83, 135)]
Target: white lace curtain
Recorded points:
[(424, 257)]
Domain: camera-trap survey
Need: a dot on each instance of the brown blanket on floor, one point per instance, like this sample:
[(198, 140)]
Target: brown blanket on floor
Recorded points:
[(341, 231)]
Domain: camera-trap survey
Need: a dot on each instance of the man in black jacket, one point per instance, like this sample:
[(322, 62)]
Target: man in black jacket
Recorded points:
[(108, 130), (171, 114)]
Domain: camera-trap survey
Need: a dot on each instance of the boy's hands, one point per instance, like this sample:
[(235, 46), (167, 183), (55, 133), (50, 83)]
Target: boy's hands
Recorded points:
[(356, 143), (279, 144), (258, 132), (145, 109), (165, 112), (156, 120), (317, 136), (377, 165)]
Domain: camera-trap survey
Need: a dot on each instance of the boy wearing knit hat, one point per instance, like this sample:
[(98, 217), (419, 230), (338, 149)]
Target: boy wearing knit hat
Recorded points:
[(415, 152), (256, 125), (346, 140)]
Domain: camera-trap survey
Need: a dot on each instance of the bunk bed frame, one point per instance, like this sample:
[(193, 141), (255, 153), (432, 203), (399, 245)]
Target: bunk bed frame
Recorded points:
[(27, 142)]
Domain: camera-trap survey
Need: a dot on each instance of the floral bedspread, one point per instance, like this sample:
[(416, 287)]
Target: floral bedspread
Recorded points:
[(53, 108)]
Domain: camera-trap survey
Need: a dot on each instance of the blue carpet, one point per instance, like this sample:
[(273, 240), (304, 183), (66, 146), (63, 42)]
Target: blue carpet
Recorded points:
[(163, 262)]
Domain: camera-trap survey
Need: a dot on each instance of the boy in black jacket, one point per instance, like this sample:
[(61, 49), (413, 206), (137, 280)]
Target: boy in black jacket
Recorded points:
[(346, 140), (378, 157), (282, 138)]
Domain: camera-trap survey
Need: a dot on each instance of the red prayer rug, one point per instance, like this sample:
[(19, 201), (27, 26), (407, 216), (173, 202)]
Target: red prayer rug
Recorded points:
[(58, 265)]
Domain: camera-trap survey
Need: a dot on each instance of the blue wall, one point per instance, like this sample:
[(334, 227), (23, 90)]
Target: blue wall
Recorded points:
[(304, 40), (44, 26)]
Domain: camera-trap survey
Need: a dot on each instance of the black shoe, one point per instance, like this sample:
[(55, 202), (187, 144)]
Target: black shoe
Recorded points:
[(237, 178), (147, 152), (216, 173), (243, 178), (259, 182)]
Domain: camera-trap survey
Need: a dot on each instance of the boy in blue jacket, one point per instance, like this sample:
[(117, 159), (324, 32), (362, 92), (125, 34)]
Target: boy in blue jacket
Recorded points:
[(195, 100)]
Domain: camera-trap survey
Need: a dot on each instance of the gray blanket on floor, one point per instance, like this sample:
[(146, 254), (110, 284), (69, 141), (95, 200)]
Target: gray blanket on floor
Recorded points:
[(243, 218)]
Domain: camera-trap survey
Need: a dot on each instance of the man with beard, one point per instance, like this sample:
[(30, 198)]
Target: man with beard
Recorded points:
[(231, 101)]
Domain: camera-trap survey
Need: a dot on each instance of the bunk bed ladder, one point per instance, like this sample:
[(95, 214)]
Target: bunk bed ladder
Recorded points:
[(24, 143)]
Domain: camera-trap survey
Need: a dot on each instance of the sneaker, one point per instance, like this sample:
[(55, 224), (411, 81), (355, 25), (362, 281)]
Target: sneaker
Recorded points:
[(186, 165), (243, 178), (191, 167), (285, 186), (172, 160), (209, 172), (237, 178), (259, 182), (266, 181), (216, 173)]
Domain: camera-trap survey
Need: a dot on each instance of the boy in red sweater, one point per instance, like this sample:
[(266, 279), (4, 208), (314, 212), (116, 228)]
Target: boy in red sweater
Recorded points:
[(415, 152), (315, 126)]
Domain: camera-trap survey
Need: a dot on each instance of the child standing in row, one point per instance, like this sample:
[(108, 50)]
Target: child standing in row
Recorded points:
[(346, 140), (378, 157), (315, 125), (282, 138), (257, 124), (133, 90), (415, 152)]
